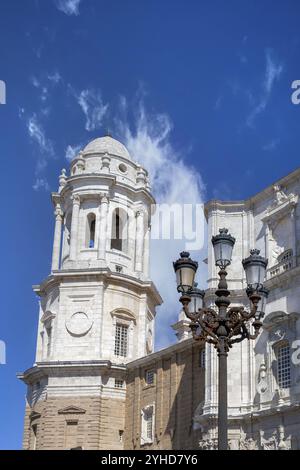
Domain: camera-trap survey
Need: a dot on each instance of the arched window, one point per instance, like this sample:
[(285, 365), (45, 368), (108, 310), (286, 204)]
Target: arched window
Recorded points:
[(91, 225), (283, 354), (119, 230)]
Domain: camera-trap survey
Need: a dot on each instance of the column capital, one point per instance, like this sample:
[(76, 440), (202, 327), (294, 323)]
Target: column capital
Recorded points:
[(104, 198), (58, 212), (76, 199)]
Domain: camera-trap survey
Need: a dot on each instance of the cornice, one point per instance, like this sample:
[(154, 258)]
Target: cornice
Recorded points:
[(105, 274), (45, 369), (109, 179), (247, 204)]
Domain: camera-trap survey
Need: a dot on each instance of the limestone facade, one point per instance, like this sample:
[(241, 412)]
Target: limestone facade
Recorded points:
[(97, 383)]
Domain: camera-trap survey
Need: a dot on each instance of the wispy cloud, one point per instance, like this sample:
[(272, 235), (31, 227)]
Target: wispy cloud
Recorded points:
[(272, 145), (69, 7), (37, 135), (44, 83), (93, 108), (54, 77), (174, 182), (273, 71), (45, 148), (72, 151), (41, 183)]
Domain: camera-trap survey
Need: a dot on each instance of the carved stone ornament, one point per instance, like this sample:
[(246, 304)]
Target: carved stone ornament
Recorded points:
[(79, 324), (248, 444), (208, 444), (76, 199), (279, 195)]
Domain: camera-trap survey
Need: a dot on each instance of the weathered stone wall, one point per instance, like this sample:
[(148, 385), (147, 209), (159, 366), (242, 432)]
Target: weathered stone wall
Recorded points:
[(177, 391)]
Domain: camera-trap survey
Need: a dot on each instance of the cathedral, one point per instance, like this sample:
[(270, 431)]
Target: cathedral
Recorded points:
[(97, 382)]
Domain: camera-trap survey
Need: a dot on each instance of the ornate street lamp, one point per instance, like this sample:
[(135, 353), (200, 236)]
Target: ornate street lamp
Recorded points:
[(185, 269), (224, 326)]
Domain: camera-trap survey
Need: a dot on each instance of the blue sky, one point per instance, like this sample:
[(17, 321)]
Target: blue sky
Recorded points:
[(203, 87)]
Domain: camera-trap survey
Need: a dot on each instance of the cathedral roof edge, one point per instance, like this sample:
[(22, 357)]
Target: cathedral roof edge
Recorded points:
[(247, 203)]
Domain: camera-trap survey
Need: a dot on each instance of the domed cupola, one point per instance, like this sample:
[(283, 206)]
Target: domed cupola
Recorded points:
[(106, 145), (108, 156)]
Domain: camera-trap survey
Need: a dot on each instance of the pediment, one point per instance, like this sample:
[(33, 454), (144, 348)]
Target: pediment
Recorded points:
[(274, 318), (71, 410), (124, 314)]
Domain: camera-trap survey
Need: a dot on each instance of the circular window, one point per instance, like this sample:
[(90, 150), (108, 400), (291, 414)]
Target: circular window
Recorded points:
[(122, 168)]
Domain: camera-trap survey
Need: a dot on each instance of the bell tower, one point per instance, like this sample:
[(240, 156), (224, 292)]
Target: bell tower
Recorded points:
[(97, 306)]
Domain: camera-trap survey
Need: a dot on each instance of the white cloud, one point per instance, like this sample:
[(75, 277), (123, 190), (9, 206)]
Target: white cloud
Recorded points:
[(72, 151), (41, 87), (37, 135), (93, 108), (272, 74), (54, 77), (69, 7), (41, 183), (173, 181), (272, 145)]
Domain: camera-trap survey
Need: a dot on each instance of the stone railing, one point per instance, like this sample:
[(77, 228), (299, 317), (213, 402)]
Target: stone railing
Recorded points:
[(285, 265)]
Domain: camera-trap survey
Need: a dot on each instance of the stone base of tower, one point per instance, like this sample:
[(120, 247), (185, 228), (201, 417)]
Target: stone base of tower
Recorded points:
[(89, 423)]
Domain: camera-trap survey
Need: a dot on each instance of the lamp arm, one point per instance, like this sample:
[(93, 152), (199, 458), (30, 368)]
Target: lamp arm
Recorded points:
[(185, 300)]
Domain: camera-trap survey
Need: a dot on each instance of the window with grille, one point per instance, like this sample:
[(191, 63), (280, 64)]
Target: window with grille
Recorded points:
[(121, 340), (150, 375), (119, 383), (149, 425), (49, 338), (284, 366)]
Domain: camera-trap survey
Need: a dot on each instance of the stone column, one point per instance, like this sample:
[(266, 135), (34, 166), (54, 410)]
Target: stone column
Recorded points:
[(139, 240), (102, 234), (57, 238), (74, 226), (147, 252)]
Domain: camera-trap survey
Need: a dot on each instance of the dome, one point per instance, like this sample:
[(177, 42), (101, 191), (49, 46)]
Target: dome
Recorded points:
[(107, 145)]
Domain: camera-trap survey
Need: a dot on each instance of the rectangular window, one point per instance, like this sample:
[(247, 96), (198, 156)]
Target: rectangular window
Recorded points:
[(119, 383), (284, 367), (49, 338), (149, 420), (121, 340), (150, 375)]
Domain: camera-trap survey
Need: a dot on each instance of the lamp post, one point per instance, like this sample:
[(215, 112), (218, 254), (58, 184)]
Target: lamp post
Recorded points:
[(223, 326)]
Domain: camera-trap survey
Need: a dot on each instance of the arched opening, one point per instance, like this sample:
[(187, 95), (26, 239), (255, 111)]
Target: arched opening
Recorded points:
[(91, 226), (119, 230)]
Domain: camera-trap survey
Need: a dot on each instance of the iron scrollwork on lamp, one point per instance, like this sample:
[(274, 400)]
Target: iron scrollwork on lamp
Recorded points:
[(224, 325)]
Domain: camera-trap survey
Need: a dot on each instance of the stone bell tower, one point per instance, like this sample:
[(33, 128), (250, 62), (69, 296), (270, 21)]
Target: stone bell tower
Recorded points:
[(97, 307)]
